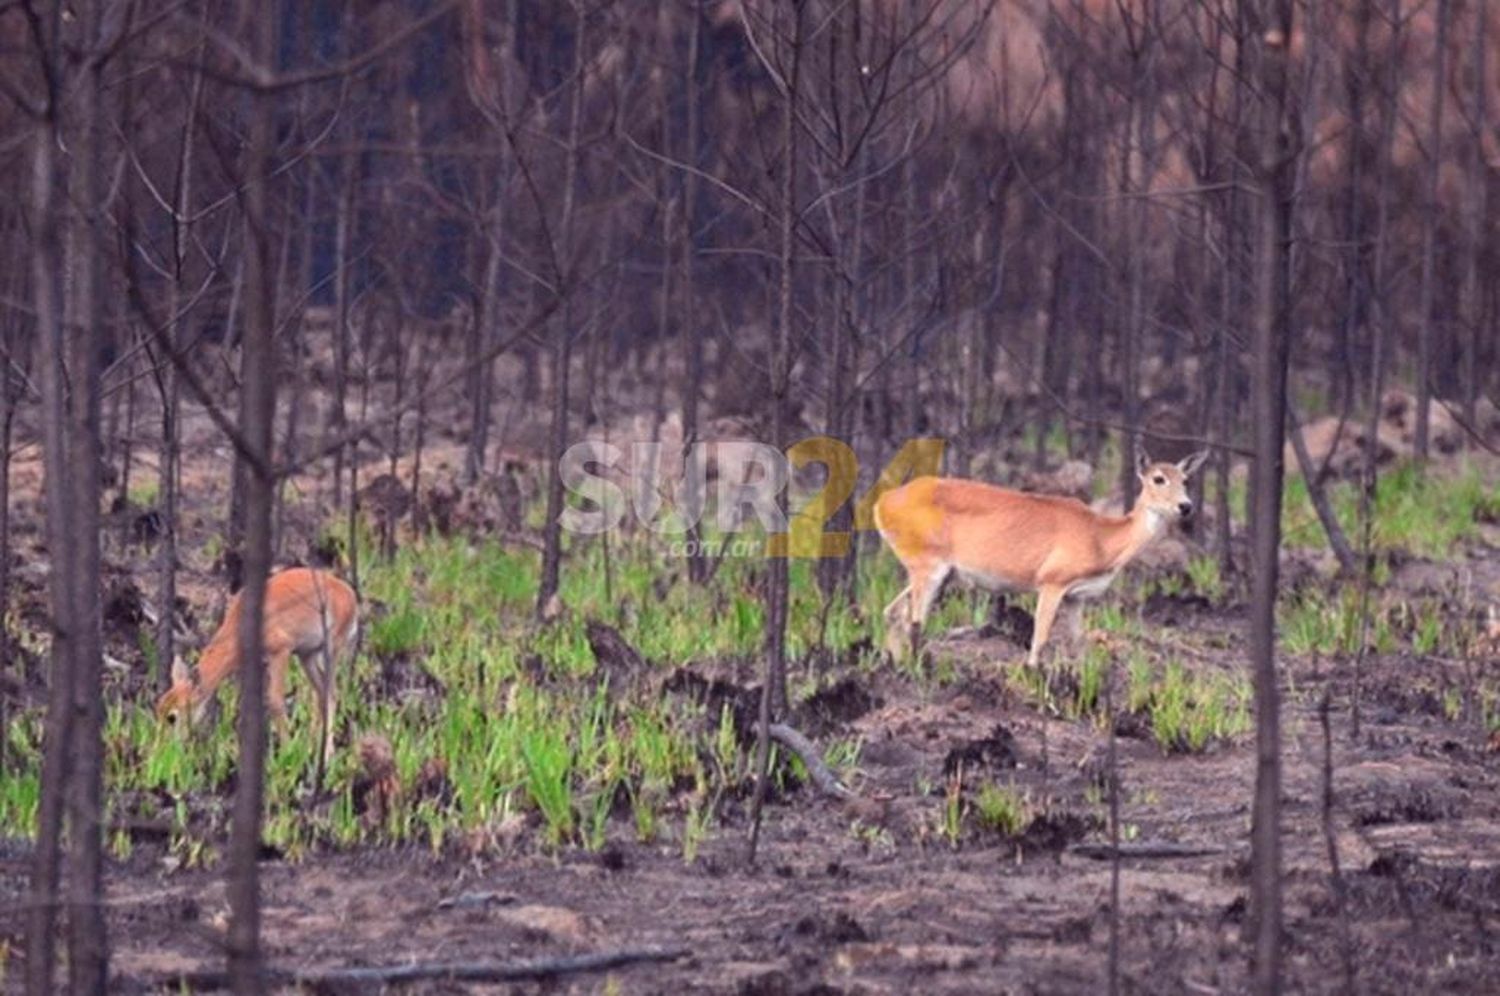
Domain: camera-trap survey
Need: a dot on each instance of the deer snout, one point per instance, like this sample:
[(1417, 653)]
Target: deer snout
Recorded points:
[(1185, 509)]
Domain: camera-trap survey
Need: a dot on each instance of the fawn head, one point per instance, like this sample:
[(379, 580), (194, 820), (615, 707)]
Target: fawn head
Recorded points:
[(182, 705)]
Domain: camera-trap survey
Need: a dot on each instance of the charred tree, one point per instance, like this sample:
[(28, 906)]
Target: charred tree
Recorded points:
[(565, 268), (773, 697), (692, 339), (1271, 24), (1380, 308), (88, 953), (1431, 210), (9, 368), (257, 425), (1475, 212), (47, 290)]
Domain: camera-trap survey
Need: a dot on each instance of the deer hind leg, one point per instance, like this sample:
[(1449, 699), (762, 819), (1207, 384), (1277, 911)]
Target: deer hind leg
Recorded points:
[(925, 585), (276, 662), (318, 665), (897, 621), (1071, 615), (1048, 600)]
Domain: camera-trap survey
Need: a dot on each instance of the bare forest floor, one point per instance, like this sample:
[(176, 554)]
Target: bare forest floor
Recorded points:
[(1417, 828), (831, 909), (872, 897)]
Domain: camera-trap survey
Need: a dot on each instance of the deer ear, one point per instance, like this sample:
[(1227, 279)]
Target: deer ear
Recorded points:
[(181, 673), (1142, 461), (1189, 465)]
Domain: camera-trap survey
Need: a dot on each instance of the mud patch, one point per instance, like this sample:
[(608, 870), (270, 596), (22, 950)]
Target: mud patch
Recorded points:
[(824, 929), (124, 606), (1163, 609), (1009, 622), (1397, 885), (709, 686), (1051, 832), (1408, 804), (989, 754), (621, 664), (403, 679), (781, 983), (830, 709)]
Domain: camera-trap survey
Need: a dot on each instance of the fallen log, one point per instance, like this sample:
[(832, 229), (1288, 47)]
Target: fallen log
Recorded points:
[(1145, 849), (476, 900), (207, 980), (825, 780)]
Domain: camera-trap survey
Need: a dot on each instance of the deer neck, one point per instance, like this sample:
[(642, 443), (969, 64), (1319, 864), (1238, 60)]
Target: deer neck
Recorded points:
[(214, 665), (1132, 534)]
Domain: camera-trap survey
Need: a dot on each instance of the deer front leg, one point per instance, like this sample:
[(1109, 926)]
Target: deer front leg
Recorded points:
[(1047, 602)]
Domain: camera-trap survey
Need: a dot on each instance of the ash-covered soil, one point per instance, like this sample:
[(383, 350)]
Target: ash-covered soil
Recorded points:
[(866, 897)]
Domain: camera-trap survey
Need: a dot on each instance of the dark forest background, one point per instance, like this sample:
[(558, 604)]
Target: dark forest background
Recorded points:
[(331, 235), (1006, 216)]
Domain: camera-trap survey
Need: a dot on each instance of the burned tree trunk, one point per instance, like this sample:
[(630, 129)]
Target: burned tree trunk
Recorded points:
[(88, 234), (773, 699), (562, 353), (7, 414), (47, 289), (1271, 24), (692, 340), (1476, 210), (1429, 235), (256, 418)]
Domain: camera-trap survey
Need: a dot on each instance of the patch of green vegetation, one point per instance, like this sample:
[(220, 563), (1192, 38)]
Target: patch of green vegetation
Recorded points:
[(1327, 623), (496, 722), (20, 796), (495, 744), (1315, 621), (1488, 695), (961, 607), (1002, 809), (1093, 671), (1112, 617), (1170, 584), (143, 492), (951, 824), (1310, 625), (1187, 713), (1428, 633), (400, 632), (548, 769), (1203, 574), (1425, 514)]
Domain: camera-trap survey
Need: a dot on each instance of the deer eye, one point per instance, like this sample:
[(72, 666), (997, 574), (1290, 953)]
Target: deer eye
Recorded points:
[(1158, 479)]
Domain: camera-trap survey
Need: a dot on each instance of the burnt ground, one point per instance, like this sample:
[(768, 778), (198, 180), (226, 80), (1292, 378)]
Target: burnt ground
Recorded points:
[(872, 899)]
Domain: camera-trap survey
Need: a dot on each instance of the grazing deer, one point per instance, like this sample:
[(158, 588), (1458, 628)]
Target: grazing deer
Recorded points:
[(1007, 540), (308, 613)]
